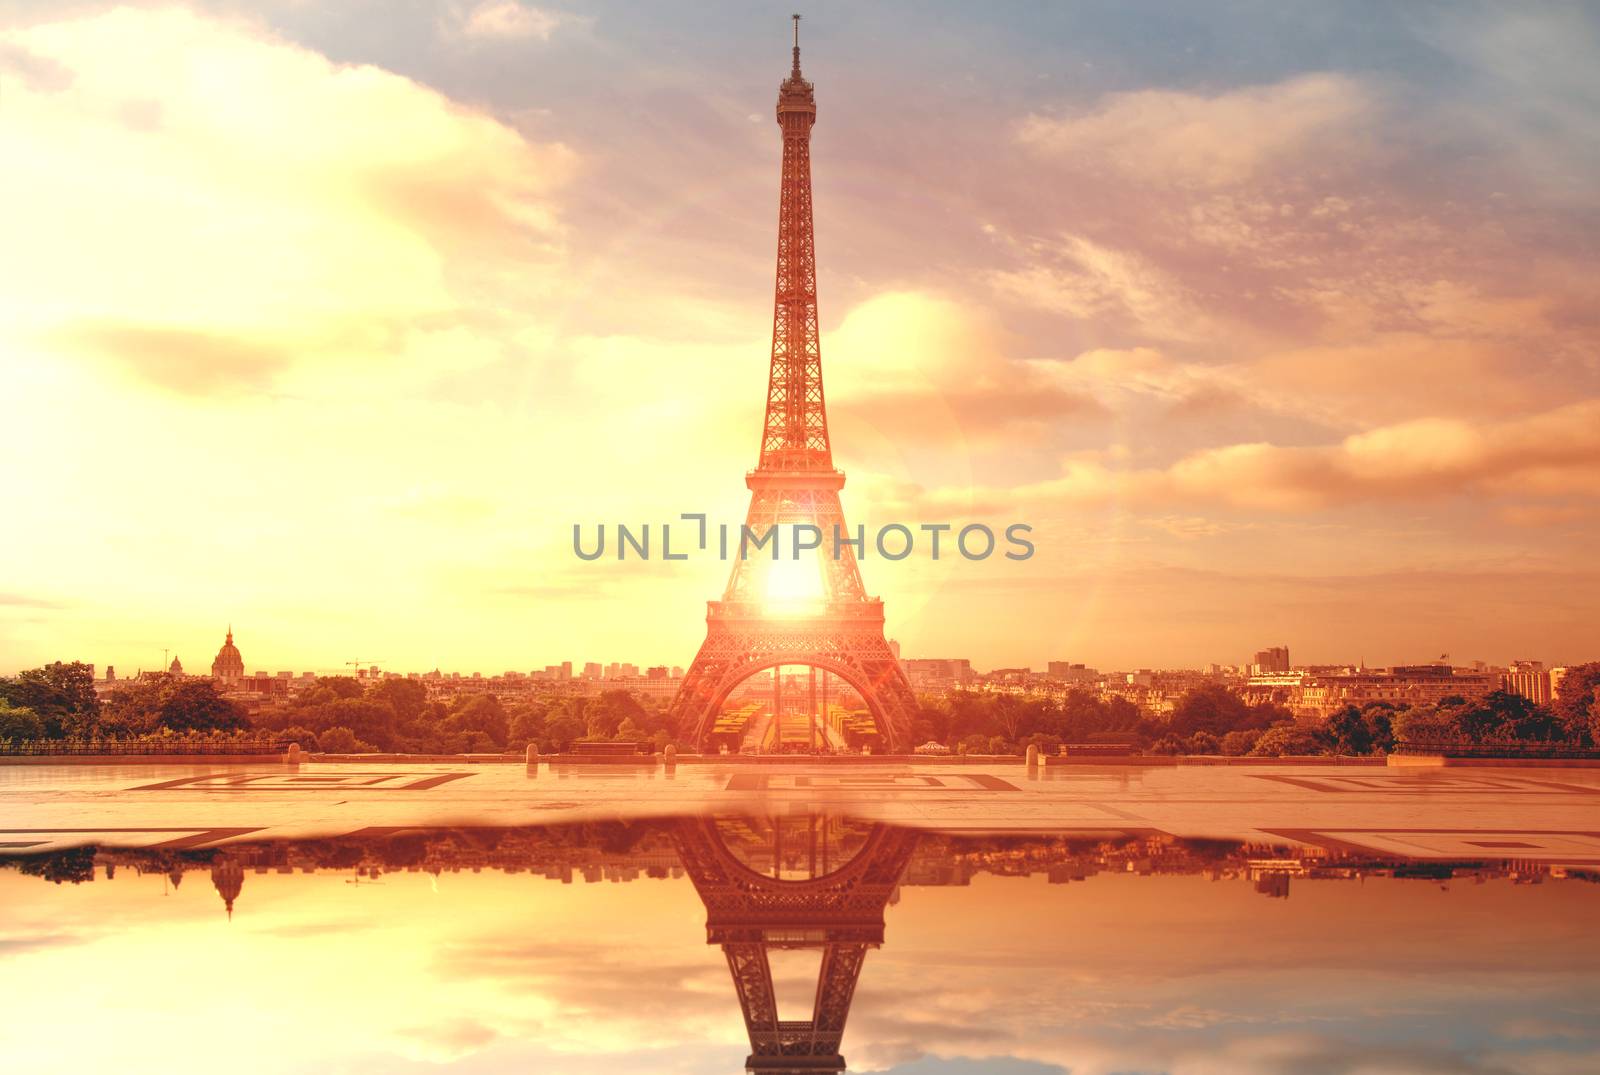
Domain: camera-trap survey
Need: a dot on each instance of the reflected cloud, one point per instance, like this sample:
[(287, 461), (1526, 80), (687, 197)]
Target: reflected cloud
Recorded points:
[(583, 946)]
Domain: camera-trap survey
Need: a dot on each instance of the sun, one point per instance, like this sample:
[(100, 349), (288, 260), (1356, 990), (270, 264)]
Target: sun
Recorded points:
[(793, 584)]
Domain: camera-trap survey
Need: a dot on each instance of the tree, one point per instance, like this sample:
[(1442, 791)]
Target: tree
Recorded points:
[(1009, 713), (969, 714), (75, 864), (1167, 745), (333, 688), (1503, 717), (1237, 744), (606, 713), (342, 741), (1286, 739), (406, 697), (1577, 703), (304, 736), (1380, 721), (484, 715), (193, 705), (1210, 707), (1427, 724), (1348, 731), (19, 723), (373, 721), (560, 732), (61, 695), (161, 701), (527, 723)]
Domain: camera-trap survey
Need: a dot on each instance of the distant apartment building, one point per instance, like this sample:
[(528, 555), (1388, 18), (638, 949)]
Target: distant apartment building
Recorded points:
[(1068, 672), (1272, 659), (1530, 680), (937, 675), (267, 686), (662, 687), (1557, 675), (1317, 696)]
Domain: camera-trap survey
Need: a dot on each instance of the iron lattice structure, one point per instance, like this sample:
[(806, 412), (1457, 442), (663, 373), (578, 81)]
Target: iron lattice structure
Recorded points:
[(795, 482), (750, 914)]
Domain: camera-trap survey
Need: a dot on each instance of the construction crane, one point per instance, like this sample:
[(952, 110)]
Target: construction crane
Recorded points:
[(360, 663)]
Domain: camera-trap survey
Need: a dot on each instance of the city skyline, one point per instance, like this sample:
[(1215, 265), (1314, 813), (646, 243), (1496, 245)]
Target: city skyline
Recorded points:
[(1258, 352), (201, 662)]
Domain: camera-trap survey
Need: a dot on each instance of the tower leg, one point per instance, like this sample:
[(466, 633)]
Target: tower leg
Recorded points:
[(811, 708)]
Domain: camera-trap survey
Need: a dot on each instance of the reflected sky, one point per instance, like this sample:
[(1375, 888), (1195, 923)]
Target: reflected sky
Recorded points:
[(585, 949)]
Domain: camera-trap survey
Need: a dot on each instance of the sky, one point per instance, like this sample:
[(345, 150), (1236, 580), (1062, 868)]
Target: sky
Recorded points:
[(1276, 323), (490, 973)]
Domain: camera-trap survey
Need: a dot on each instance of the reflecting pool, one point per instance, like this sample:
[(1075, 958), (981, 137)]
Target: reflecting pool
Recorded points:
[(789, 943)]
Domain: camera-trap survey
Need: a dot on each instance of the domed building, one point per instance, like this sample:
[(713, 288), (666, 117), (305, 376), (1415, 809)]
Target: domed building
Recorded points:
[(228, 876), (228, 668), (175, 668)]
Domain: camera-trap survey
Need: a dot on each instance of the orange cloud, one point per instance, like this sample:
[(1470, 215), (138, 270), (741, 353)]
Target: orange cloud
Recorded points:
[(913, 365), (209, 205), (1553, 452)]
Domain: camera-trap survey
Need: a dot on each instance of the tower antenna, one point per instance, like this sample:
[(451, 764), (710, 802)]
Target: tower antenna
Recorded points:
[(796, 19)]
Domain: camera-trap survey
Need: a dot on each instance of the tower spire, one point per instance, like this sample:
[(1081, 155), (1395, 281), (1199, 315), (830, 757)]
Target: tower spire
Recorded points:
[(795, 435)]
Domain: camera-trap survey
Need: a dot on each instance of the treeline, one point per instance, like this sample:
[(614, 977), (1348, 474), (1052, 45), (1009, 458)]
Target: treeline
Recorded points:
[(344, 715), (58, 701), (978, 722), (338, 715), (1212, 719), (341, 715)]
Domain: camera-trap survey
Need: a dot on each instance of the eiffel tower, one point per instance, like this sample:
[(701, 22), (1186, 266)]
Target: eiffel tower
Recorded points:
[(770, 616), (837, 909)]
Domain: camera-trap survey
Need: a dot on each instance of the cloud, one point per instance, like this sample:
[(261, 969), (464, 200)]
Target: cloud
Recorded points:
[(18, 600), (183, 360), (452, 1039), (207, 205), (1532, 100), (1553, 453), (1080, 278), (1190, 527), (914, 365), (504, 19), (1386, 376), (1160, 137)]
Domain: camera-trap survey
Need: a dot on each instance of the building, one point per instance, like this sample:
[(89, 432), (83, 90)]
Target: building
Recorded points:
[(1272, 659), (176, 667), (1318, 695), (228, 666), (936, 675), (1529, 679), (1557, 675), (1068, 672)]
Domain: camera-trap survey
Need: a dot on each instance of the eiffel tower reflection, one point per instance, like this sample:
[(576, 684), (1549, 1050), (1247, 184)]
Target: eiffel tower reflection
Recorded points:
[(797, 883)]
